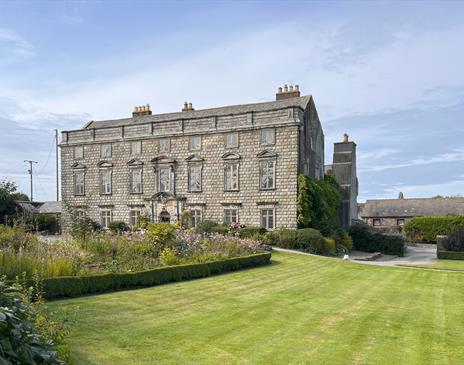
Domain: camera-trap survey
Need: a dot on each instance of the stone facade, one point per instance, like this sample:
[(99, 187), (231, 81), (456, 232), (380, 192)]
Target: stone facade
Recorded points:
[(296, 145)]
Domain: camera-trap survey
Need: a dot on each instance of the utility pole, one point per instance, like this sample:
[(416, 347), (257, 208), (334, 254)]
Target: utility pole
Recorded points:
[(30, 162), (56, 163)]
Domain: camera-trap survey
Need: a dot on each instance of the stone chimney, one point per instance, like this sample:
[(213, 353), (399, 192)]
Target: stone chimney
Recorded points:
[(401, 195), (141, 110), (187, 107), (288, 92)]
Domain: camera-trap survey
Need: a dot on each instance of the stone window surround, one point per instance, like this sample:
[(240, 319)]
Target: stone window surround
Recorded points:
[(265, 156), (167, 148), (194, 161), (400, 222), (105, 218), (262, 142), (237, 144), (195, 219), (230, 212), (376, 222), (78, 156), (192, 138), (266, 209), (164, 162), (135, 164), (78, 168), (231, 159), (137, 216), (105, 166), (136, 153), (103, 153)]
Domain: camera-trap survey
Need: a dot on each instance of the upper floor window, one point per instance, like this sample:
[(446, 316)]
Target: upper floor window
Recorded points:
[(164, 179), (135, 174), (79, 183), (194, 177), (194, 143), (267, 174), (105, 181), (105, 150), (78, 152), (231, 140), (136, 148), (106, 216), (231, 176), (230, 215), (165, 145), (267, 218), (195, 217), (267, 136)]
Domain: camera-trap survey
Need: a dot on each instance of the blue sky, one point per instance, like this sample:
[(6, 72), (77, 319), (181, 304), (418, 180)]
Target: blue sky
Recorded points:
[(388, 73)]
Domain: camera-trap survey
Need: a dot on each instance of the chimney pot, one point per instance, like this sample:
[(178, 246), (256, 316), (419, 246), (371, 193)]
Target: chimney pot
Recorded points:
[(279, 90), (345, 138), (290, 88), (190, 106), (285, 88), (297, 88)]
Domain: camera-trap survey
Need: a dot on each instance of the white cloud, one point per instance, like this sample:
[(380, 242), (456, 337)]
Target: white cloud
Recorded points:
[(12, 43)]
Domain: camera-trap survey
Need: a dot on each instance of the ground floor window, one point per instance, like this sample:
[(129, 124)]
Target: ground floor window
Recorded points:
[(376, 222), (400, 222), (267, 218), (230, 216), (195, 217), (134, 217), (106, 217)]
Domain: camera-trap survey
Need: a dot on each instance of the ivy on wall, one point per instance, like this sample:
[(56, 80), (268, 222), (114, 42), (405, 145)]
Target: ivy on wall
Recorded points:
[(317, 203)]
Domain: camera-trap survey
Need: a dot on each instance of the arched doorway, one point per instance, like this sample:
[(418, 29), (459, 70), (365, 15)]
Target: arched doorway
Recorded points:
[(164, 216)]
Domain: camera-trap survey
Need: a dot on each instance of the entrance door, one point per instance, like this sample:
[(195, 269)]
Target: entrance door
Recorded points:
[(164, 216)]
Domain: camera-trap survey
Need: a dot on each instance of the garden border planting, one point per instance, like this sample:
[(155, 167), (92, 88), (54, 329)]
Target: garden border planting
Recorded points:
[(72, 286)]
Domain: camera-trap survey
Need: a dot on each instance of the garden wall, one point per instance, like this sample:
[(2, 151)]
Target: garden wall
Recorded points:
[(73, 286)]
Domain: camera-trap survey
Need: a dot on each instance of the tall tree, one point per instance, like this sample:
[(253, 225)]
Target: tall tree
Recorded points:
[(8, 194)]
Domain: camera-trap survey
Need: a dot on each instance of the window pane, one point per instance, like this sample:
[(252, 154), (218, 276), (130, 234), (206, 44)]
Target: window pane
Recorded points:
[(164, 145), (195, 178), (105, 181), (79, 183), (267, 173), (136, 180), (136, 148), (78, 152), (105, 150), (165, 179), (267, 136), (231, 140), (195, 143)]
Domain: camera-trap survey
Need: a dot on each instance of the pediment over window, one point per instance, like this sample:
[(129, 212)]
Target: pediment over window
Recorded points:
[(266, 154), (135, 162), (163, 160), (78, 165), (231, 156), (103, 164), (194, 158)]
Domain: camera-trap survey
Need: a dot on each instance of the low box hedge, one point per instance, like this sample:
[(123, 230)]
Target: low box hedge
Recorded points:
[(73, 286), (443, 253)]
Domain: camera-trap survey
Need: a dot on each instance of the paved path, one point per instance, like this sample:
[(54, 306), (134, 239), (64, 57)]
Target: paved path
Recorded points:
[(414, 255)]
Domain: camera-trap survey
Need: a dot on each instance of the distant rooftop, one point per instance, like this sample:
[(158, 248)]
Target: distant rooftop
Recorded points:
[(51, 207), (437, 206)]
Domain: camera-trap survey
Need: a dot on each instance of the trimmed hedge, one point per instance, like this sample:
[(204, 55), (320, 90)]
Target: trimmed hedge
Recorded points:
[(306, 239), (450, 255), (73, 286), (364, 240), (426, 229)]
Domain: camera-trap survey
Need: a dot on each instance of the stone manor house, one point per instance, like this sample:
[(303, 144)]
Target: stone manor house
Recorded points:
[(233, 164)]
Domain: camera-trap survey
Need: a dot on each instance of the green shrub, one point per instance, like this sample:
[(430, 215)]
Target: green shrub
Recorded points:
[(342, 238), (45, 222), (364, 240), (161, 234), (306, 239), (330, 245), (205, 226), (317, 203), (450, 255), (118, 226), (80, 285), (251, 232), (21, 341), (455, 241), (222, 229), (426, 229)]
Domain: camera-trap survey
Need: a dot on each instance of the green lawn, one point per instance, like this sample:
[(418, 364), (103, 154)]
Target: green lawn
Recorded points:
[(455, 265), (299, 310)]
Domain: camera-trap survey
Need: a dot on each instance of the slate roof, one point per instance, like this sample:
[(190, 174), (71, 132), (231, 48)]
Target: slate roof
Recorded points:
[(412, 207), (40, 207), (300, 102)]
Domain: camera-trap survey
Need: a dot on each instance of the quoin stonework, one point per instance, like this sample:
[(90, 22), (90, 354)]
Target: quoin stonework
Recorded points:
[(229, 164)]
